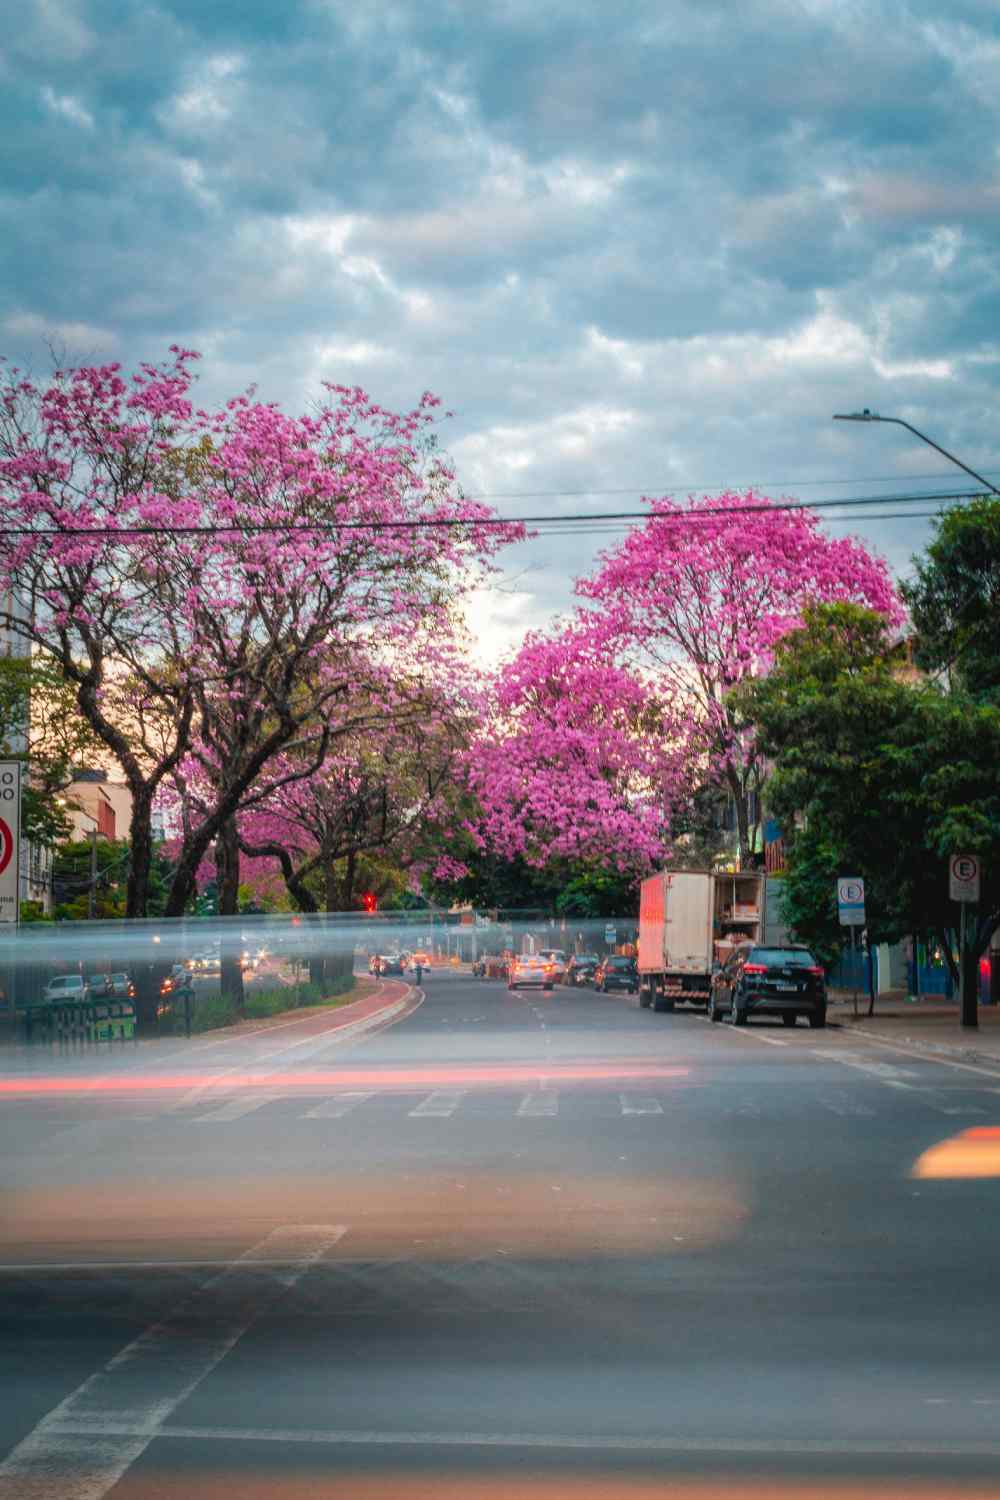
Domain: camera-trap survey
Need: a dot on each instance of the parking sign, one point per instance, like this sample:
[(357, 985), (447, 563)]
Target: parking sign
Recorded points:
[(851, 901), (963, 877)]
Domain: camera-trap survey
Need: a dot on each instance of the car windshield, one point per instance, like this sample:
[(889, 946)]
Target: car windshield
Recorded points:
[(796, 958), (66, 982)]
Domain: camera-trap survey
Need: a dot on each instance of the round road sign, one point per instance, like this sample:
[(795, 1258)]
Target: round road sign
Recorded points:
[(6, 845)]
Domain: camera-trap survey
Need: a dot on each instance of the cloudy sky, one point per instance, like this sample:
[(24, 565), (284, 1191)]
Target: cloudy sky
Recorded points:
[(637, 248)]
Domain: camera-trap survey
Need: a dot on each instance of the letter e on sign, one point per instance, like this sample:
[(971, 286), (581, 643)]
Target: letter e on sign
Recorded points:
[(963, 877)]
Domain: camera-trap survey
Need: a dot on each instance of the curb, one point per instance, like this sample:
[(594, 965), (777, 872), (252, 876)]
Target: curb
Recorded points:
[(385, 1015)]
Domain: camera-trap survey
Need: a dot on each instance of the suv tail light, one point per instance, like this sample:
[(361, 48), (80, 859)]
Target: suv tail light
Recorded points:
[(755, 968), (815, 969)]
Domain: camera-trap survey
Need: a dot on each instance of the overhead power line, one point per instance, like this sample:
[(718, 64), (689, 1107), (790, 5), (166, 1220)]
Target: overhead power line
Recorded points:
[(448, 523)]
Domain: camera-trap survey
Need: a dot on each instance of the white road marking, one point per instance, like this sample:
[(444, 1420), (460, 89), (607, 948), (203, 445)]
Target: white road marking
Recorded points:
[(337, 1107), (9, 1267), (708, 1443), (235, 1109), (886, 1073), (640, 1104), (933, 1057), (844, 1106), (440, 1104), (544, 1103), (935, 1101), (81, 1449), (754, 1036)]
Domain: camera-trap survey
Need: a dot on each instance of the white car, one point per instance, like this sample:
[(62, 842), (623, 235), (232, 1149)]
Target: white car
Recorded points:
[(66, 987), (531, 970)]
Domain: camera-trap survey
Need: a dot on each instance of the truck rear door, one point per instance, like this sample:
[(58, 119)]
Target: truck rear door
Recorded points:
[(688, 928)]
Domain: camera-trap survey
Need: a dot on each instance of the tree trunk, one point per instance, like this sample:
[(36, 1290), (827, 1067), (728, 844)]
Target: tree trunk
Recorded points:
[(740, 803), (140, 852), (227, 865)]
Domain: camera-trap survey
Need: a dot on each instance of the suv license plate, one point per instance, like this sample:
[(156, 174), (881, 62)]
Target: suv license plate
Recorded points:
[(788, 987)]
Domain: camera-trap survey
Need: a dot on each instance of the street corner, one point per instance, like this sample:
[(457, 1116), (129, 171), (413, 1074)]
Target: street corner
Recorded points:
[(973, 1153)]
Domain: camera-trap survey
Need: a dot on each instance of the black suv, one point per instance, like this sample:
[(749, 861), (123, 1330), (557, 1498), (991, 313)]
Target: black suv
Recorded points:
[(759, 981), (616, 973)]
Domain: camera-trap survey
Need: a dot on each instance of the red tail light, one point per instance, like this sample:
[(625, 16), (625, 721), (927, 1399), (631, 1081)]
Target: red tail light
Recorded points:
[(755, 968), (815, 969)]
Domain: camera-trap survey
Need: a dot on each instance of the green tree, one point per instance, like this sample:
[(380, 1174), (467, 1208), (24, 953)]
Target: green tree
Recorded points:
[(41, 726), (954, 599), (876, 776)]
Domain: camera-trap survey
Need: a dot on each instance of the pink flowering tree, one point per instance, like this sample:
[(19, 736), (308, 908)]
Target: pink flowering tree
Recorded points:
[(581, 758), (239, 582), (695, 600)]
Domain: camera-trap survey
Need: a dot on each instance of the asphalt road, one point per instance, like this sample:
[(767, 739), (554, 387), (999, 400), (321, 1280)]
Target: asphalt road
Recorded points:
[(522, 1244)]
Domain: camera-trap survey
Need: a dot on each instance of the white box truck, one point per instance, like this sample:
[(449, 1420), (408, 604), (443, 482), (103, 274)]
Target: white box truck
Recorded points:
[(689, 920)]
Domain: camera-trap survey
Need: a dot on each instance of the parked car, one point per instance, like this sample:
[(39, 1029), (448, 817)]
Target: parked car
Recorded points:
[(66, 987), (121, 985), (532, 971), (616, 972), (759, 981), (580, 968), (557, 958), (99, 985)]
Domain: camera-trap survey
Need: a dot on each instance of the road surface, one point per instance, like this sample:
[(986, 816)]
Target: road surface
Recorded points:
[(536, 1244)]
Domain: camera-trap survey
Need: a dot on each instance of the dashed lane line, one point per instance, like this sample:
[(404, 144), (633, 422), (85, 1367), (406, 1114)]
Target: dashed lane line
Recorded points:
[(439, 1105), (640, 1104)]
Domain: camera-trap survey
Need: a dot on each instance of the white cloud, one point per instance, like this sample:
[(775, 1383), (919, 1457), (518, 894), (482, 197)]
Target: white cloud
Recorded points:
[(67, 108)]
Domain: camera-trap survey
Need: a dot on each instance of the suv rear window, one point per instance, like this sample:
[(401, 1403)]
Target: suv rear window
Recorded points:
[(620, 963), (798, 958)]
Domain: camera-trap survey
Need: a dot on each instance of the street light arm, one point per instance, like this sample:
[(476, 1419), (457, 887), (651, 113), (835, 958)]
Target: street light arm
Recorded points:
[(871, 416)]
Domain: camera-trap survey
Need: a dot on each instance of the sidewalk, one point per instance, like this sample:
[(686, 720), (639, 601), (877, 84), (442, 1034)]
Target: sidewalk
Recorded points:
[(931, 1024)]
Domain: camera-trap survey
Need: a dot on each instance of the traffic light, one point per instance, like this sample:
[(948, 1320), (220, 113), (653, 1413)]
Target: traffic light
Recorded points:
[(370, 901)]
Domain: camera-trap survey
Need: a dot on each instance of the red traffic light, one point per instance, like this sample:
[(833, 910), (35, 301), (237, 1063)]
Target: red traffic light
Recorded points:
[(370, 901)]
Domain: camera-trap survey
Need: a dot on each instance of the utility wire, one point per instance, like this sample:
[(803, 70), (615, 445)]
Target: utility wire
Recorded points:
[(432, 523)]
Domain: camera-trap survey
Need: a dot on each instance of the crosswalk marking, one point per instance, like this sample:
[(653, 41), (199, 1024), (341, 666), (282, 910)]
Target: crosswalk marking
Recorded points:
[(640, 1104), (543, 1104), (442, 1103), (936, 1102), (844, 1106), (337, 1107), (234, 1109)]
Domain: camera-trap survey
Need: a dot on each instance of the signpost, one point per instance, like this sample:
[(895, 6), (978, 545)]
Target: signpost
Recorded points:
[(851, 913), (963, 887), (10, 842), (610, 935)]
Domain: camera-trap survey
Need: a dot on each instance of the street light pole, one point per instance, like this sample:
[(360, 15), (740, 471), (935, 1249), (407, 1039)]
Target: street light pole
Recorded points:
[(873, 416), (92, 893)]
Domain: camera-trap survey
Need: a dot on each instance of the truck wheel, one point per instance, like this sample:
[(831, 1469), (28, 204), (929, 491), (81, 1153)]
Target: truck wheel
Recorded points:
[(662, 1002), (645, 995)]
